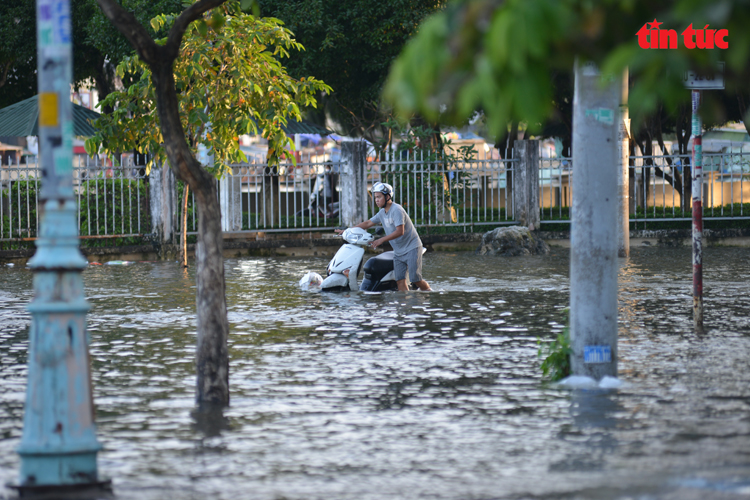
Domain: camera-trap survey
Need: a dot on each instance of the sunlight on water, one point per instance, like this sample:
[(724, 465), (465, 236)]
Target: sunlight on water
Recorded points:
[(419, 395)]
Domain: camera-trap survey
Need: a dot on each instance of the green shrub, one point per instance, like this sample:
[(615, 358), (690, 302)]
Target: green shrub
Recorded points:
[(556, 363), (112, 206)]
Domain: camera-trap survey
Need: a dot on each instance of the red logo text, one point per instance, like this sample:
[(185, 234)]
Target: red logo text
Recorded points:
[(650, 36)]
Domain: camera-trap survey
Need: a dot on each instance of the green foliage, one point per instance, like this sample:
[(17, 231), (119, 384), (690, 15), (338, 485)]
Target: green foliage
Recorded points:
[(97, 48), (252, 221), (350, 46), (501, 56), (20, 209), (556, 363), (421, 165), (503, 68), (17, 51), (229, 81), (112, 206)]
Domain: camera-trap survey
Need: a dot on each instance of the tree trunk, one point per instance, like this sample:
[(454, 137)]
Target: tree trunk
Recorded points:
[(212, 357), (507, 142), (745, 110), (183, 232)]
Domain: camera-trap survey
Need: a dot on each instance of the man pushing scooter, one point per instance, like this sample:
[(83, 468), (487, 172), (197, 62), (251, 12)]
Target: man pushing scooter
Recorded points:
[(400, 232)]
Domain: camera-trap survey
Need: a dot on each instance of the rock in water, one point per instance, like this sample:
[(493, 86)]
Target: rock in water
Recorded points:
[(512, 241)]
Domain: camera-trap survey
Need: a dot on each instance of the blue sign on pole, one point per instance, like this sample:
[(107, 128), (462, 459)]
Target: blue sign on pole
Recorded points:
[(597, 354)]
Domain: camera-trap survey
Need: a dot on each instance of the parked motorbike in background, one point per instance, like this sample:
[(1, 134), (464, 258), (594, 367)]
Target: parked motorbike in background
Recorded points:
[(321, 199)]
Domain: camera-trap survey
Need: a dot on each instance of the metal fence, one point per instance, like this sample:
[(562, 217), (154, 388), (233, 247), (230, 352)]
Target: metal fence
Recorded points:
[(657, 184), (555, 193), (447, 191), (112, 200), (287, 198)]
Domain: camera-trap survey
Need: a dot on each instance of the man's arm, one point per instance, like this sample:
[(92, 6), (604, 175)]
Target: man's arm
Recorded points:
[(395, 234), (364, 225)]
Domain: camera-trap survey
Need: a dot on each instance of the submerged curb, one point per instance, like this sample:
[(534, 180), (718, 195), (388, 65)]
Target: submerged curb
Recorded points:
[(305, 245)]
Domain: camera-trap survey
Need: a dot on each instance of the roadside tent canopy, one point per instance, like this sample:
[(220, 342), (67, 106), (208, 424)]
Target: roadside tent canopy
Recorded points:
[(22, 119)]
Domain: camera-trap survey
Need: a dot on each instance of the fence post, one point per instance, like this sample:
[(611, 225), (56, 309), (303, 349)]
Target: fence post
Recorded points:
[(163, 201), (593, 249), (231, 200), (353, 182), (526, 184), (623, 176)]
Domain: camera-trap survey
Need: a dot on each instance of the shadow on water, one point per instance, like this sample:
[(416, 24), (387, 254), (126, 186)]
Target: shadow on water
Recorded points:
[(418, 395)]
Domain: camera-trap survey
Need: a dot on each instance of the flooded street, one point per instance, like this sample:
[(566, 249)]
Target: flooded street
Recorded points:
[(408, 396)]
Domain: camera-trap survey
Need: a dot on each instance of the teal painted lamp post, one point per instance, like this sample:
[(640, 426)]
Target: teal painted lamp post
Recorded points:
[(59, 447)]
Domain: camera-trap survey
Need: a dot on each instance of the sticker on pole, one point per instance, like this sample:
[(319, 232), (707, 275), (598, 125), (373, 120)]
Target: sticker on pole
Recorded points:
[(48, 111), (597, 354), (603, 115)]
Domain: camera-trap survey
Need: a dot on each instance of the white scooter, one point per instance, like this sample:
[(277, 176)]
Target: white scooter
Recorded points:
[(344, 268)]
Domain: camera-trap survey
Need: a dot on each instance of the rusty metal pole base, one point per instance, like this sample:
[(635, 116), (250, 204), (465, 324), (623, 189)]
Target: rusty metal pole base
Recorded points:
[(83, 491)]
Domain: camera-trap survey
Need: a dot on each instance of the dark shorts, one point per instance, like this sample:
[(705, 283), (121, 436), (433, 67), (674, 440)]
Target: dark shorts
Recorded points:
[(411, 260)]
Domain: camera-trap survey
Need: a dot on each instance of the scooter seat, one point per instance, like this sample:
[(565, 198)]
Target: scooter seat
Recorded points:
[(380, 265)]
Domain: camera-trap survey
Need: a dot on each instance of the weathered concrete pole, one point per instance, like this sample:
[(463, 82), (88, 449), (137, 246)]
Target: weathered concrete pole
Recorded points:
[(526, 184), (353, 182), (697, 213), (596, 202), (58, 447), (623, 173), (162, 188)]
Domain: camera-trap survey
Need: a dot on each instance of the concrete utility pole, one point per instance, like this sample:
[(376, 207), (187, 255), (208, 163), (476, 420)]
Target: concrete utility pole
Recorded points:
[(623, 177), (59, 447), (596, 202)]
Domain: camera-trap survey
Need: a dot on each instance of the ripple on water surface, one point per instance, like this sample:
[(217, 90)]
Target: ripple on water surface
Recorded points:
[(406, 395)]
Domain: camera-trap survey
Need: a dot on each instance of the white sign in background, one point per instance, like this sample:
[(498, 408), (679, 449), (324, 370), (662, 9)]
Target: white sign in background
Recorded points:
[(702, 82)]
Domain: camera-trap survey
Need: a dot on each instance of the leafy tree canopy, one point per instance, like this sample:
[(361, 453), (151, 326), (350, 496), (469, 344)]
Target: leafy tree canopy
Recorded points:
[(97, 48), (229, 81), (499, 56), (351, 46), (17, 51)]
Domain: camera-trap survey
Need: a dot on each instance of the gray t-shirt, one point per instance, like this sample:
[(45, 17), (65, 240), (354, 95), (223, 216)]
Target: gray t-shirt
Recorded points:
[(395, 217)]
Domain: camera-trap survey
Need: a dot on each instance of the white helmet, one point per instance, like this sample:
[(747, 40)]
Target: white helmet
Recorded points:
[(382, 187)]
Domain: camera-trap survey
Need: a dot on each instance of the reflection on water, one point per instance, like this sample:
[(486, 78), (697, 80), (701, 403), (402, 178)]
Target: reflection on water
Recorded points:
[(419, 395)]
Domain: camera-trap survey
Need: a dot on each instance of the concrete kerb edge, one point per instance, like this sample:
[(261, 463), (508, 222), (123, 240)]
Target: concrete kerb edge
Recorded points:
[(455, 242)]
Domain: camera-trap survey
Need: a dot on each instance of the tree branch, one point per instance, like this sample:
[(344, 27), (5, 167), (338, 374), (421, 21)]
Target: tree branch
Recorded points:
[(134, 31), (195, 11), (5, 73)]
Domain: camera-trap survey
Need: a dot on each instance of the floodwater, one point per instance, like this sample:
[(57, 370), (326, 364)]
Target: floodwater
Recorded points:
[(408, 396)]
